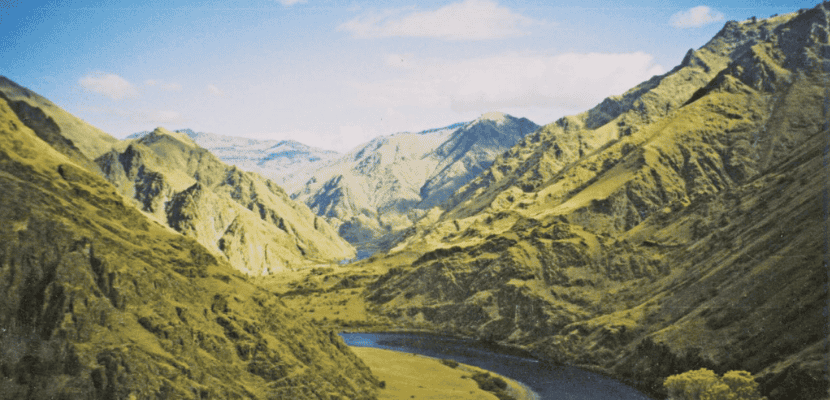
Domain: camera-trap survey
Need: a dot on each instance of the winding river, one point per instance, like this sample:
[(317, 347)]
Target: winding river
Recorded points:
[(548, 381)]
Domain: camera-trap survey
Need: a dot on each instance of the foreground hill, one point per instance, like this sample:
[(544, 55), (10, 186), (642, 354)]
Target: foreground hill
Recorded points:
[(238, 215), (378, 190), (286, 162), (678, 226), (100, 302)]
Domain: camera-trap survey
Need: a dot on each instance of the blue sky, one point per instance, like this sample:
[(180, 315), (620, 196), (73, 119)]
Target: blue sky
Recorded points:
[(334, 74)]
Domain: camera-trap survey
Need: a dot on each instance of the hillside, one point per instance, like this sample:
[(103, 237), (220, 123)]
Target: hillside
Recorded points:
[(677, 226), (374, 193), (31, 109), (287, 163), (237, 215), (100, 302)]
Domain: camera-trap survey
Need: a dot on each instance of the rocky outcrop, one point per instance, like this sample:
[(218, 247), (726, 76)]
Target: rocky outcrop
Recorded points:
[(240, 216), (100, 302), (675, 227)]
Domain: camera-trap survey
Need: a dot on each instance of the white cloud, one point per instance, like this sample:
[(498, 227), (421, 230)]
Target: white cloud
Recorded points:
[(467, 20), (215, 91), (695, 17), (289, 3), (110, 85), (566, 81)]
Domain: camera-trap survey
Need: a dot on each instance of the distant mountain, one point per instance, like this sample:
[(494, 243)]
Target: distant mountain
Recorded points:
[(378, 190), (100, 302), (681, 225), (239, 215), (286, 162)]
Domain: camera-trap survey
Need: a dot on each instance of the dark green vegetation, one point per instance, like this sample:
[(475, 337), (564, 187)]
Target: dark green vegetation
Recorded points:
[(682, 225), (703, 384), (101, 302)]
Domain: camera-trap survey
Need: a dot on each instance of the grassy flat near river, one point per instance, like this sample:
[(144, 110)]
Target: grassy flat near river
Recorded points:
[(410, 376)]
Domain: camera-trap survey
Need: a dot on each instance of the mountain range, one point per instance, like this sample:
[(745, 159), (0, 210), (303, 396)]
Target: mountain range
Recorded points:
[(678, 226), (287, 163), (375, 192), (102, 302)]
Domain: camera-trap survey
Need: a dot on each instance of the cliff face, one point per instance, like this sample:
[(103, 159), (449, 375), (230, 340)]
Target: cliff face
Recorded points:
[(101, 302), (237, 215), (376, 192), (678, 226)]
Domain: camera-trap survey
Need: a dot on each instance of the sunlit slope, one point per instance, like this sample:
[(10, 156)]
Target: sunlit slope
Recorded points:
[(238, 215), (375, 192), (694, 238), (101, 302), (31, 108)]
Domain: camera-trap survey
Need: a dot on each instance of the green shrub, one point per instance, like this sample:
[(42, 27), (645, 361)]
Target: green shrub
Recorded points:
[(703, 384)]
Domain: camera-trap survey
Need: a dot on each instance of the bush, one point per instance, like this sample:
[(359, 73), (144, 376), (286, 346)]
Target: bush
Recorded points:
[(703, 384)]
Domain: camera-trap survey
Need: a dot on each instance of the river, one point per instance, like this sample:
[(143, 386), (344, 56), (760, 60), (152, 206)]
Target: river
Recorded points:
[(547, 380)]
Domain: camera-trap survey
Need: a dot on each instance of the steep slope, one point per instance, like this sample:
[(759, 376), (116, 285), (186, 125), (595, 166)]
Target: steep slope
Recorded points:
[(101, 303), (237, 215), (681, 225), (375, 192), (286, 162), (38, 112)]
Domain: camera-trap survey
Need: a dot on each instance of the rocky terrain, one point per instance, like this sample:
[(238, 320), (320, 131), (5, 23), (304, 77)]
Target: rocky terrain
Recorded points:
[(101, 302), (374, 193), (287, 163), (680, 225), (237, 215)]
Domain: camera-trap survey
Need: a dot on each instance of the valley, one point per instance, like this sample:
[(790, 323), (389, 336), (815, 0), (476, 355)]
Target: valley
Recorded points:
[(679, 226)]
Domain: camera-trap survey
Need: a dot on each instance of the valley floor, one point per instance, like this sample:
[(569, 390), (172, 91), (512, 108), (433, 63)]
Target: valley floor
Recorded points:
[(410, 376)]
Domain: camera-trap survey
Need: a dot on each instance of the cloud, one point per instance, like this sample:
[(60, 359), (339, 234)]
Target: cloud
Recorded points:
[(167, 87), (215, 91), (570, 81), (695, 17), (289, 3), (467, 20), (110, 85)]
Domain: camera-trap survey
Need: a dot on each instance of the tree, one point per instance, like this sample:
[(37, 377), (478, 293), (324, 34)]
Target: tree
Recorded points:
[(703, 384)]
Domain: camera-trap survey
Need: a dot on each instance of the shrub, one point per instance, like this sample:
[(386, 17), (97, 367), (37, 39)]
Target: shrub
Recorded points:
[(703, 384)]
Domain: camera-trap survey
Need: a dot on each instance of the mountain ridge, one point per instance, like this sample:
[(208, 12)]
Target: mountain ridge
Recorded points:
[(644, 236)]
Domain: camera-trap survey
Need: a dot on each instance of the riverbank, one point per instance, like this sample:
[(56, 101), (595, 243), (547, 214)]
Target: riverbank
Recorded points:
[(409, 376)]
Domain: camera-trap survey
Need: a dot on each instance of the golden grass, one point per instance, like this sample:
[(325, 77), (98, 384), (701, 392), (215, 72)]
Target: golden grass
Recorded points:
[(410, 376)]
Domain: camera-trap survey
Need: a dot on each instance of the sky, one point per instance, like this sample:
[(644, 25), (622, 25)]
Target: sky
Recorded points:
[(335, 74)]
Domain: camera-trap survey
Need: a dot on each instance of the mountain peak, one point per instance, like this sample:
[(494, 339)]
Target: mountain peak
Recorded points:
[(160, 132), (494, 116)]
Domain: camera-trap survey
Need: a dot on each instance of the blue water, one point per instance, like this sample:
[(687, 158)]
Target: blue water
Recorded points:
[(549, 381)]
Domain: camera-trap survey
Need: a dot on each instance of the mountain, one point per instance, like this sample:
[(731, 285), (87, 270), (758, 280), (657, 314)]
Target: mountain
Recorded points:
[(680, 225), (238, 215), (376, 192), (286, 162), (101, 302)]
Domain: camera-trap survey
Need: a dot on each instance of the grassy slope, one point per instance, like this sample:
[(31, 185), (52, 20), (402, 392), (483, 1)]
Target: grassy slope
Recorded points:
[(100, 302), (694, 239), (409, 376)]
